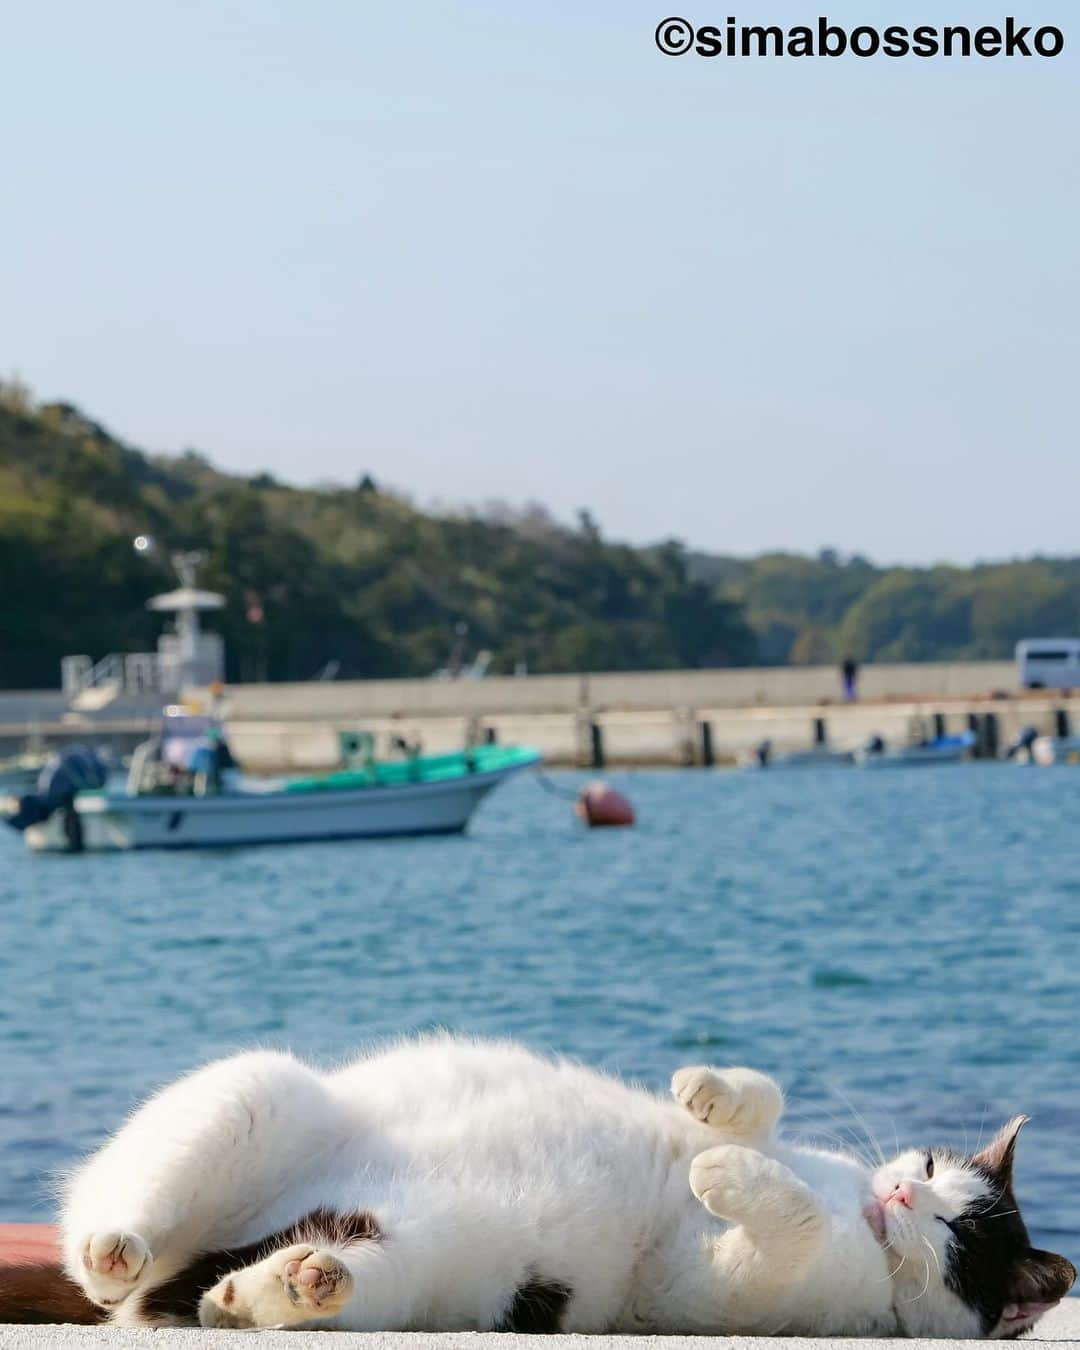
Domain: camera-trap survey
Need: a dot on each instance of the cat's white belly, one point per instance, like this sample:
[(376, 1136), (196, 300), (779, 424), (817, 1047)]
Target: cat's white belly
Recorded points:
[(581, 1174), (570, 1174)]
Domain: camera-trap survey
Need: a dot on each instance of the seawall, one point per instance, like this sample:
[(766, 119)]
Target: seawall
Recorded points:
[(664, 718)]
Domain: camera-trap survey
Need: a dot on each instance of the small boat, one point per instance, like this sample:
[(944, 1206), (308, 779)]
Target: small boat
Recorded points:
[(1047, 750), (819, 757), (206, 805), (941, 750)]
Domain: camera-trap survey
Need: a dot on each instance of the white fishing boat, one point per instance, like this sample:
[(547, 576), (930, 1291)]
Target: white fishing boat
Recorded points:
[(183, 789), (206, 805)]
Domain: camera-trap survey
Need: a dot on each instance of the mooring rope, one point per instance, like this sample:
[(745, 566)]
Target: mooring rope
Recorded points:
[(567, 794)]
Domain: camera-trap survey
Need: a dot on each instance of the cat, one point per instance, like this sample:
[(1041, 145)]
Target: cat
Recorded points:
[(451, 1184)]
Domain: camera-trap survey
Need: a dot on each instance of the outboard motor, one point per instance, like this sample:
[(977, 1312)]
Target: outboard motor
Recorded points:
[(763, 753), (71, 771), (1023, 743), (875, 745)]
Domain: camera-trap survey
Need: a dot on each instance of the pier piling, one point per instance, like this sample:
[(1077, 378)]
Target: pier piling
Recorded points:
[(705, 741)]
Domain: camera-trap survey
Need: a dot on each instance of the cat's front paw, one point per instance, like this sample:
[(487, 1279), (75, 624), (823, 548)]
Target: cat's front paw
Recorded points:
[(113, 1263), (296, 1284), (739, 1102)]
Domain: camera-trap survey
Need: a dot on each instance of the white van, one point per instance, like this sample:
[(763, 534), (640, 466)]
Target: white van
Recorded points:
[(1048, 663)]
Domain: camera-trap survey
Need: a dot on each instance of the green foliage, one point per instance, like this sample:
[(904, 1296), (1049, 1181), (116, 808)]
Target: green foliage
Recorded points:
[(358, 576), (354, 575), (819, 610)]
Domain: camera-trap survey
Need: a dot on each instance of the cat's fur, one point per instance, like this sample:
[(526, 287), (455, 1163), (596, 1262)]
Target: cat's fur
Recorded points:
[(449, 1184)]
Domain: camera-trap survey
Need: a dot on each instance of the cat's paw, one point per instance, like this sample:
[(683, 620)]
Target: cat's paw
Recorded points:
[(727, 1179), (296, 1284), (745, 1187), (112, 1265), (737, 1101)]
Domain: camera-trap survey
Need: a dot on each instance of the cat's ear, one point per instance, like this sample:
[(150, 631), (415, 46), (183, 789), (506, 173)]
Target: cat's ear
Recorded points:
[(1037, 1282), (997, 1156)]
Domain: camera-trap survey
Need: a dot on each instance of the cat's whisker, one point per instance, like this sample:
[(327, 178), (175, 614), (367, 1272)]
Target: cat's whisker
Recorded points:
[(849, 1140), (994, 1196), (871, 1138), (845, 1143), (922, 1291), (982, 1126), (933, 1253)]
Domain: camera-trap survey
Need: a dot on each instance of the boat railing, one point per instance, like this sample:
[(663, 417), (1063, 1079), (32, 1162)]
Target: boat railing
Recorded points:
[(143, 770), (129, 672)]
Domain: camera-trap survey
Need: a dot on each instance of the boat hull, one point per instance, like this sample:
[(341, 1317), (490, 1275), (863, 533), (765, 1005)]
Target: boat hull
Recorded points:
[(912, 755), (112, 820), (805, 759)]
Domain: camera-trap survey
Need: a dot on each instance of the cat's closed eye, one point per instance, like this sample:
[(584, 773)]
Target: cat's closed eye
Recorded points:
[(929, 1164)]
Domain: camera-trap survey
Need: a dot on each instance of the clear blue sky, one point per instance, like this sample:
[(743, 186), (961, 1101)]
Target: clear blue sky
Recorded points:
[(508, 250)]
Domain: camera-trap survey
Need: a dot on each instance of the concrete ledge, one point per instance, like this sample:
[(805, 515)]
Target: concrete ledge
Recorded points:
[(1060, 1327)]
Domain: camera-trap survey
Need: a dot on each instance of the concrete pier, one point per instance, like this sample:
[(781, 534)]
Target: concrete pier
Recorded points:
[(661, 737), (643, 719), (1061, 1327)]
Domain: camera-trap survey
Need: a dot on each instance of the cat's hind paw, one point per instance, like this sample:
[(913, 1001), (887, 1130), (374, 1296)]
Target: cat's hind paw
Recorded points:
[(296, 1284), (728, 1179), (738, 1102), (112, 1263), (744, 1187)]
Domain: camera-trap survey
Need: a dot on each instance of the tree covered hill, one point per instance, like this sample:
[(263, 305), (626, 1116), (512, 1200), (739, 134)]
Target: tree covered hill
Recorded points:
[(357, 575), (811, 611), (352, 575)]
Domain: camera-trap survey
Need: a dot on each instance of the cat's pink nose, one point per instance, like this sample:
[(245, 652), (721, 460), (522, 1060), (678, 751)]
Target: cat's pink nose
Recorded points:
[(903, 1193)]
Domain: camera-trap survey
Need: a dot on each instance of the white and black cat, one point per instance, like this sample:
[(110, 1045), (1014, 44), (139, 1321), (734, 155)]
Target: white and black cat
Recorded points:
[(461, 1185)]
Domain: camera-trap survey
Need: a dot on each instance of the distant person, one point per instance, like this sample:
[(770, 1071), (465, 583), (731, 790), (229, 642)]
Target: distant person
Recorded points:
[(210, 758), (850, 673)]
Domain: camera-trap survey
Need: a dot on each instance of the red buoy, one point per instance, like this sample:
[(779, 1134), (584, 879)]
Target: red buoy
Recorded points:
[(599, 804)]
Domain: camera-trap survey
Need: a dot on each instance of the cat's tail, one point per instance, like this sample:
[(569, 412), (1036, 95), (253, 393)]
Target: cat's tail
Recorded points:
[(42, 1292)]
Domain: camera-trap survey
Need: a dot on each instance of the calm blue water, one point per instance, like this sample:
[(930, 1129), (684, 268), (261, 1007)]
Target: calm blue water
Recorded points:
[(904, 945)]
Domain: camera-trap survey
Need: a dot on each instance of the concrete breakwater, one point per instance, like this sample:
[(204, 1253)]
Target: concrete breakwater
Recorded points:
[(666, 718), (652, 718), (662, 737)]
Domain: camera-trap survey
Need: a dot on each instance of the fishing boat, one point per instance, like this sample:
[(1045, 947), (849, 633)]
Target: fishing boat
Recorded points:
[(206, 805), (941, 750), (819, 757)]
